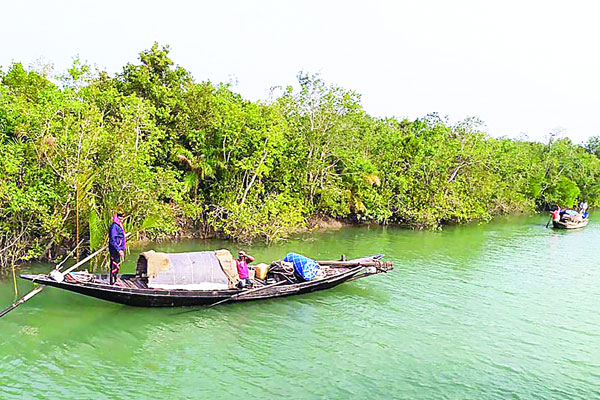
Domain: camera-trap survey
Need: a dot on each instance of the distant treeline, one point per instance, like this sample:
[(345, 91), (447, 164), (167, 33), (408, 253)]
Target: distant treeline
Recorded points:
[(178, 156)]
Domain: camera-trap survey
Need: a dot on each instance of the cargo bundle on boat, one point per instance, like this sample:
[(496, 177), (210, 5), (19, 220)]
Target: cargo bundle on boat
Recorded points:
[(211, 277)]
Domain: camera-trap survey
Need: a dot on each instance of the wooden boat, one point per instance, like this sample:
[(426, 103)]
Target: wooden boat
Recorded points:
[(132, 290), (569, 219), (565, 224)]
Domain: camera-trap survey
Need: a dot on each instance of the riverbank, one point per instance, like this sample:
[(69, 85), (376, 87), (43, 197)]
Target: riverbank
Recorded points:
[(316, 224)]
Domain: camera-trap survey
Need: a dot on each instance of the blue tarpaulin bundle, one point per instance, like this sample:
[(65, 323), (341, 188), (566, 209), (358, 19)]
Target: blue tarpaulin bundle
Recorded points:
[(305, 267)]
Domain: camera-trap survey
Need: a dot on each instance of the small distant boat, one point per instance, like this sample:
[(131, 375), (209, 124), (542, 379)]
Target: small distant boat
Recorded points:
[(570, 224), (201, 278), (570, 219)]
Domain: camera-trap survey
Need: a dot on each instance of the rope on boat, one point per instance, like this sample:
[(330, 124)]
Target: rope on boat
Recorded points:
[(83, 277)]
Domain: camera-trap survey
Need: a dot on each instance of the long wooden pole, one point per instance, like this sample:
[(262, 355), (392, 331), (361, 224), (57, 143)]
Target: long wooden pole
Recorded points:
[(21, 300), (77, 213), (58, 267), (41, 287), (349, 263), (38, 289), (245, 293), (88, 258)]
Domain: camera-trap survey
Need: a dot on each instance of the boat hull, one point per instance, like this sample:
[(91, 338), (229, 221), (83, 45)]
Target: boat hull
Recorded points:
[(186, 298), (569, 225)]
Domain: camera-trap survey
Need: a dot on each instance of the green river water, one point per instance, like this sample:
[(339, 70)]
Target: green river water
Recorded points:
[(505, 310)]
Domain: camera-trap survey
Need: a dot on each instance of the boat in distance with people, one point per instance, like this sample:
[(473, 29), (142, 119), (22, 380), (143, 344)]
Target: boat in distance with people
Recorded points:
[(570, 224), (569, 219), (210, 278)]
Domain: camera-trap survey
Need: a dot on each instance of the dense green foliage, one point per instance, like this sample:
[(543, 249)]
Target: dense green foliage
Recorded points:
[(180, 157)]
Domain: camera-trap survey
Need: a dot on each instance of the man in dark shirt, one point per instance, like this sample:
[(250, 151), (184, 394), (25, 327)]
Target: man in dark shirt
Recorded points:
[(116, 246)]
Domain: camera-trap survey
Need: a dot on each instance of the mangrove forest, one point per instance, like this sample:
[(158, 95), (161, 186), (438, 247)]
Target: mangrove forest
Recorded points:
[(181, 157)]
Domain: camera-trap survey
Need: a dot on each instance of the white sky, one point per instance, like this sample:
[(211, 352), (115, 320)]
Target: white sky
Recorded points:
[(523, 67)]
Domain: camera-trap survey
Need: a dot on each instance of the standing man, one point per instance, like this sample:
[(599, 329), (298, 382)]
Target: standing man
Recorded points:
[(116, 246), (556, 214), (584, 209)]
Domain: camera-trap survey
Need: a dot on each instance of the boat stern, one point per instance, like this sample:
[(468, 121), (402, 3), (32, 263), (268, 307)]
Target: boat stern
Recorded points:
[(381, 266)]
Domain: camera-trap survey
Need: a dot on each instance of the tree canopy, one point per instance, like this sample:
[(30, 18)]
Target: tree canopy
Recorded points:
[(180, 156)]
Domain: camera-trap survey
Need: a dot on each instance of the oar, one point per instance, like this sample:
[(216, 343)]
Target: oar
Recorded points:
[(235, 296), (57, 275), (37, 289), (34, 291), (58, 267), (60, 276), (548, 222), (21, 300)]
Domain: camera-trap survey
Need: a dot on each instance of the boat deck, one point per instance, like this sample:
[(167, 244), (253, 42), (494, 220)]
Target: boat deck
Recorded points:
[(134, 282)]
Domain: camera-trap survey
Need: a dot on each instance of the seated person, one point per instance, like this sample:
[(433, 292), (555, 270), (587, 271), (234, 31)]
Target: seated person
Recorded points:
[(570, 215), (242, 266)]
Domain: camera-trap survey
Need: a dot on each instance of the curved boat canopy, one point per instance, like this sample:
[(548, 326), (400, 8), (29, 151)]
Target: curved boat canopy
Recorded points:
[(200, 270)]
